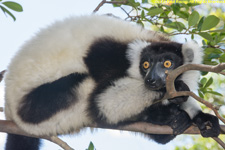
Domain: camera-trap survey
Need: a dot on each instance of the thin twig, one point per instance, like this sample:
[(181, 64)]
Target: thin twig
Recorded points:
[(60, 142), (108, 2), (99, 6), (219, 141), (2, 74)]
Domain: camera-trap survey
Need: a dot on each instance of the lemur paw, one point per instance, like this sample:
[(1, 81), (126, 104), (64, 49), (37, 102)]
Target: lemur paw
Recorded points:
[(207, 124), (180, 86), (180, 122)]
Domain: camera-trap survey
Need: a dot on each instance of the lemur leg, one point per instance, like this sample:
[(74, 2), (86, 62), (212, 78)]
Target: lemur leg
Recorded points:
[(46, 100)]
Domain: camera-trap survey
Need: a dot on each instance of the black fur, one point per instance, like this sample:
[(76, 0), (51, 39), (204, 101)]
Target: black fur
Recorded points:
[(166, 47), (19, 142), (107, 60), (47, 99)]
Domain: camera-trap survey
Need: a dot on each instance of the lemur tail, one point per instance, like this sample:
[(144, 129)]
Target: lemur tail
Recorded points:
[(19, 142)]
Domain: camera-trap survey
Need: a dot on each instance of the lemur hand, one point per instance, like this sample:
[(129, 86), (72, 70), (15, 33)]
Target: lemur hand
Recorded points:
[(180, 86), (207, 124)]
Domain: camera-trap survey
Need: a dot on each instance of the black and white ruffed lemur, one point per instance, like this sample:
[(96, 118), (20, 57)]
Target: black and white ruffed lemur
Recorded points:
[(100, 69)]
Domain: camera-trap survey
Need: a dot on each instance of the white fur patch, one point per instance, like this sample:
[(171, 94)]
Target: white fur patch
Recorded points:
[(126, 98), (134, 55), (195, 49)]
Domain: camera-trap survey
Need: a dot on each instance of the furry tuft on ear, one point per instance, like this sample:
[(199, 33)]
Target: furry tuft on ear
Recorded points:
[(192, 53)]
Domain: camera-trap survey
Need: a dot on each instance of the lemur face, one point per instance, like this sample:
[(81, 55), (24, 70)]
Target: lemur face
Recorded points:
[(156, 59)]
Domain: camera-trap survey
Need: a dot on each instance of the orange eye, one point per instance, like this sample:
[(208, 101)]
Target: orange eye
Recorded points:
[(146, 65), (167, 64)]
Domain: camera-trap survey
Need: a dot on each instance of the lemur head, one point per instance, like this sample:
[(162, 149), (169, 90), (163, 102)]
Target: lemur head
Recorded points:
[(156, 58)]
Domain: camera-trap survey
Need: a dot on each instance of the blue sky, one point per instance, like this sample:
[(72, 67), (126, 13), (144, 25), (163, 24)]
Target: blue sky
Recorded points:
[(38, 14)]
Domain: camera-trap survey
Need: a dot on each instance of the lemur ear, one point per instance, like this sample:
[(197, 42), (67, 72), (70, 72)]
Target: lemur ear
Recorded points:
[(192, 53)]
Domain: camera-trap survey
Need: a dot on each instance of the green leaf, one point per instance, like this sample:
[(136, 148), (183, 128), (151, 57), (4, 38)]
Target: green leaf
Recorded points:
[(193, 18), (8, 12), (142, 14), (175, 7), (193, 4), (210, 22), (91, 146), (161, 29), (176, 25), (200, 23), (182, 14), (200, 94), (155, 11), (209, 82), (213, 56), (214, 93), (213, 50), (171, 25), (222, 58), (14, 6), (206, 35), (219, 30), (203, 73), (203, 81), (180, 26), (133, 3)]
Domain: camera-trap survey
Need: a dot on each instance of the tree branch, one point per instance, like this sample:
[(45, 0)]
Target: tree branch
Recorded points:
[(108, 2), (11, 127)]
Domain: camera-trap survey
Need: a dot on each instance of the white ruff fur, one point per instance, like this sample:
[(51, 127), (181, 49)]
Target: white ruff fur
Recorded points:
[(126, 98), (134, 55), (191, 78)]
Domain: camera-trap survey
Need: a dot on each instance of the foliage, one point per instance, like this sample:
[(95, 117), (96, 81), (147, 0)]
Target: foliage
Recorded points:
[(4, 6)]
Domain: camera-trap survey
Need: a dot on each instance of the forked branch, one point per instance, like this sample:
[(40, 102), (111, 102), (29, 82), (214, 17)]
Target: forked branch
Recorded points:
[(171, 92)]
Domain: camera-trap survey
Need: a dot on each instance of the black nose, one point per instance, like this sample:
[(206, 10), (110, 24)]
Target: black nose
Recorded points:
[(151, 83)]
